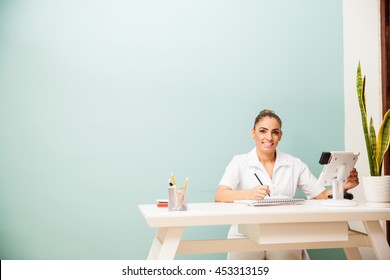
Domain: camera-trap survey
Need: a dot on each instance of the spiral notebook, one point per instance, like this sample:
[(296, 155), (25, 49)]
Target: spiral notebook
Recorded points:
[(272, 201)]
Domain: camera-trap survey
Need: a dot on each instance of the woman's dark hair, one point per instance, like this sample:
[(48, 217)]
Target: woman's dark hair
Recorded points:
[(267, 113)]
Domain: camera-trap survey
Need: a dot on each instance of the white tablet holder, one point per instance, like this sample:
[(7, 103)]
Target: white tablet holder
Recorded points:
[(337, 166)]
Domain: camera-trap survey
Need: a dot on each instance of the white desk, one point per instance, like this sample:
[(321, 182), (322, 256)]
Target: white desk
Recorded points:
[(305, 226)]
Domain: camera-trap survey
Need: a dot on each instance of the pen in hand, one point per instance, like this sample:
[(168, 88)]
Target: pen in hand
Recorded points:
[(261, 182)]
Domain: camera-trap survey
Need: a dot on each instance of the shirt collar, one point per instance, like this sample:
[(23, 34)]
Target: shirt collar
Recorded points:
[(253, 160)]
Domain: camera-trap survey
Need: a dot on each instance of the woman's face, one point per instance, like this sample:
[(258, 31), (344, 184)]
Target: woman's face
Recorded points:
[(267, 134)]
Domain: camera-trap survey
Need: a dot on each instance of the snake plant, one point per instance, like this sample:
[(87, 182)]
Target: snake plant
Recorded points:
[(376, 145)]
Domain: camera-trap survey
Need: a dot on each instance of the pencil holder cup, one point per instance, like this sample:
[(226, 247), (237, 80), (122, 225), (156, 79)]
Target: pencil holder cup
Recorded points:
[(177, 199)]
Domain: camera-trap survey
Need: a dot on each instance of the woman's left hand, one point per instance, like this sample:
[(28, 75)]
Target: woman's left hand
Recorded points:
[(353, 180)]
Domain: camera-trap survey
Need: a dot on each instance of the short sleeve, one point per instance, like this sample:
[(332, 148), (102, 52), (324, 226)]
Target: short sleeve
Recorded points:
[(231, 177)]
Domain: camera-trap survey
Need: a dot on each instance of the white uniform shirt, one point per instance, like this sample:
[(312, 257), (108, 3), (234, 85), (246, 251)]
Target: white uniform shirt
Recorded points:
[(289, 174)]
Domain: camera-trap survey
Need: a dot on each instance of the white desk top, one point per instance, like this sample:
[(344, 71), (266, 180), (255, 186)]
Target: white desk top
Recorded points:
[(202, 214)]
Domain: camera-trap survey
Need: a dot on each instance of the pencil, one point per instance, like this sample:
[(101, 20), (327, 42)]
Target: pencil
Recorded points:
[(185, 183), (173, 179), (258, 179), (260, 182)]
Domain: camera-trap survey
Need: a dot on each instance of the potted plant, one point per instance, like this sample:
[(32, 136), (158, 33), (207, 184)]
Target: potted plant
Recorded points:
[(376, 187)]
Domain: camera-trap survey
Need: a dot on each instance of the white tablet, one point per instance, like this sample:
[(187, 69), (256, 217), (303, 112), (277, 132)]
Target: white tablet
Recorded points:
[(337, 165)]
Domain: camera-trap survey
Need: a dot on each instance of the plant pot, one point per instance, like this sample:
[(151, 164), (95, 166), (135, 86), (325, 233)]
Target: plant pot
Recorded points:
[(377, 190)]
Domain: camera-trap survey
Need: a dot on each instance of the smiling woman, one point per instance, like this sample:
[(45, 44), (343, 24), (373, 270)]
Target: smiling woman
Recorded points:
[(267, 132), (279, 174)]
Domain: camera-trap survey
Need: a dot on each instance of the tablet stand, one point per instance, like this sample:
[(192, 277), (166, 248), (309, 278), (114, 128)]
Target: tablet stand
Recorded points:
[(337, 166), (338, 199)]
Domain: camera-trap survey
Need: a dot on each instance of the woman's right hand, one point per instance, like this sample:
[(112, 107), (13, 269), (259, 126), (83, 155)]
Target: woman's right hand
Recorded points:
[(258, 192)]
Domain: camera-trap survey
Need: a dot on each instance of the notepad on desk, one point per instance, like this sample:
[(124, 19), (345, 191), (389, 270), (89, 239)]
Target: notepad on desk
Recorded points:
[(276, 200)]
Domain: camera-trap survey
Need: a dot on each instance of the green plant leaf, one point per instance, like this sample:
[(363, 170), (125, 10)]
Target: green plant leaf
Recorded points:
[(364, 95), (360, 88), (383, 139), (372, 154)]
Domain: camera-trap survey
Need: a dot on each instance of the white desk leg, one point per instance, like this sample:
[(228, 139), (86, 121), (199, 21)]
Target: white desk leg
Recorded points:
[(378, 239), (165, 243)]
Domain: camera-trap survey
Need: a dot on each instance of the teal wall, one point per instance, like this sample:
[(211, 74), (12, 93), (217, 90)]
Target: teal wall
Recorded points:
[(101, 100)]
